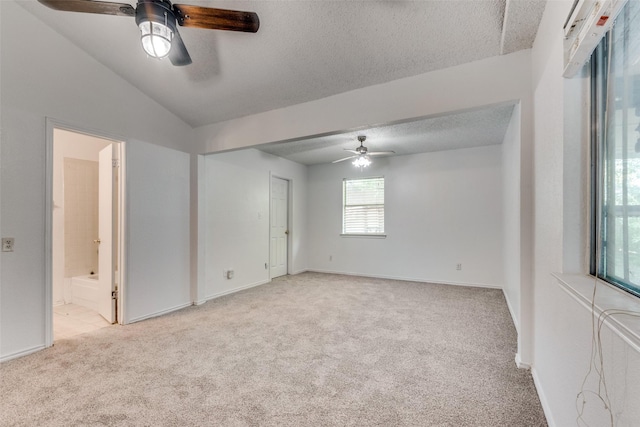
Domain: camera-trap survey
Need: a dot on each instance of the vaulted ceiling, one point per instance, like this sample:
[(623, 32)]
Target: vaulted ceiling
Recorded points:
[(304, 50)]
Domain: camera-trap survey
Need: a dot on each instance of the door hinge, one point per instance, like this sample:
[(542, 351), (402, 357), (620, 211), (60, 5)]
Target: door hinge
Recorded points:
[(115, 163), (114, 294)]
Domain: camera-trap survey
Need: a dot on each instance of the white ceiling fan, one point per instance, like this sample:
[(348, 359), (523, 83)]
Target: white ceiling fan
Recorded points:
[(361, 154)]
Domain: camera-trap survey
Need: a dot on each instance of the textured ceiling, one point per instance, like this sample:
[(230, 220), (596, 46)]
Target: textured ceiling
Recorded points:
[(467, 129), (521, 22), (304, 50)]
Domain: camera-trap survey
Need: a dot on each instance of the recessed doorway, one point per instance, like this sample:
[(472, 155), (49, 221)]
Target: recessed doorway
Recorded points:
[(85, 194)]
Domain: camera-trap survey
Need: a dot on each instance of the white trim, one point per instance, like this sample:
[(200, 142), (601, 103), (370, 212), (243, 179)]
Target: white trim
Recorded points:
[(381, 235), (123, 230), (289, 224), (408, 279), (161, 313), (516, 322), (520, 364), (268, 241), (50, 125), (197, 223), (289, 255), (544, 402), (233, 291), (608, 297), (126, 260), (21, 353)]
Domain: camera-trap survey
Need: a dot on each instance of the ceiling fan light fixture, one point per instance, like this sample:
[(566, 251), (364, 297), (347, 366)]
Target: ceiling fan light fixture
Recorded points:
[(157, 25), (158, 20), (361, 162), (156, 39)]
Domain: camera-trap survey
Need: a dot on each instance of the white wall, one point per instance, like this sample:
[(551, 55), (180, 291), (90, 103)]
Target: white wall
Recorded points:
[(237, 218), (441, 209), (74, 146), (157, 224), (563, 338), (44, 75), (511, 241)]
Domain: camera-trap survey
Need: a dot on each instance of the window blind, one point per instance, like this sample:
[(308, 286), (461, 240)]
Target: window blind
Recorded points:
[(363, 206)]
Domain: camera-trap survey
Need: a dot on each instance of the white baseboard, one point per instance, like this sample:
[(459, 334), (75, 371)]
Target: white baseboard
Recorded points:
[(520, 364), (21, 353), (159, 313), (232, 291), (543, 398), (409, 279)]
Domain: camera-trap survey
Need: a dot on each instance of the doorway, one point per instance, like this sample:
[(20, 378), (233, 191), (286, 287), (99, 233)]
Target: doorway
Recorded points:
[(279, 221), (85, 194)]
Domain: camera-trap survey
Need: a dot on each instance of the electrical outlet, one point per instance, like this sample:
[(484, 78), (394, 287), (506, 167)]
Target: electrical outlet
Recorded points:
[(458, 267), (330, 257), (7, 244), (229, 274)]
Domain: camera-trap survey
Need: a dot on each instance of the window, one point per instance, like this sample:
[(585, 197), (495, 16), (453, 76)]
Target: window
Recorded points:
[(363, 206), (615, 116)]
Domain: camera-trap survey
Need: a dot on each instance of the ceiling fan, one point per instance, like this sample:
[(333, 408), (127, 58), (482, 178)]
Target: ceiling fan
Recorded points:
[(157, 21), (361, 154)]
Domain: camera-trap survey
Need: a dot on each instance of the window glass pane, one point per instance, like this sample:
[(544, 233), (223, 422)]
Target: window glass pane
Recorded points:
[(619, 184), (365, 191), (363, 209)]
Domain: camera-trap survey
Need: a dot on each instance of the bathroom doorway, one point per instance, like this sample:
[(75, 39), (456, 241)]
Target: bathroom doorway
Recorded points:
[(86, 232)]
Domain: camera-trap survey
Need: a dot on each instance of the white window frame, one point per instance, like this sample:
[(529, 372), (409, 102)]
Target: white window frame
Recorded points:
[(611, 250), (344, 209)]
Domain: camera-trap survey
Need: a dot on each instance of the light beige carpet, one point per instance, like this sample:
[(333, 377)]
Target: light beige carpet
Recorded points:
[(306, 350)]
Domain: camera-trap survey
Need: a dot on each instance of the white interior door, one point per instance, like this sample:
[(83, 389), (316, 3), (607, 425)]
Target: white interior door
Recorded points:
[(279, 226), (106, 231)]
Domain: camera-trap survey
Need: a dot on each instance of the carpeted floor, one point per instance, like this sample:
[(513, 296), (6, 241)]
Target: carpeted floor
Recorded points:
[(306, 350)]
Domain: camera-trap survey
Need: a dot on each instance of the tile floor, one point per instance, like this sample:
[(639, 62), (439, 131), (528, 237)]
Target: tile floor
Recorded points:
[(70, 320)]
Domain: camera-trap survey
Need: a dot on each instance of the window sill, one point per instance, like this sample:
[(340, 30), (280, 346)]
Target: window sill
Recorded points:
[(608, 298), (368, 236)]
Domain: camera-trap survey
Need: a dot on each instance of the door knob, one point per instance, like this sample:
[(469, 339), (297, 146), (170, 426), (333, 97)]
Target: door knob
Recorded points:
[(286, 231), (96, 241)]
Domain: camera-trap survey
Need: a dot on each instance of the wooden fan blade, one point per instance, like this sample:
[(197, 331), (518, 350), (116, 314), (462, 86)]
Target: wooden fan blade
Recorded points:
[(179, 55), (90, 6), (380, 153), (216, 19), (342, 160)]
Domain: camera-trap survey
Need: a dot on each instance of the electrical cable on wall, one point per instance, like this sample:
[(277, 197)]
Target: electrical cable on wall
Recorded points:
[(596, 343)]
